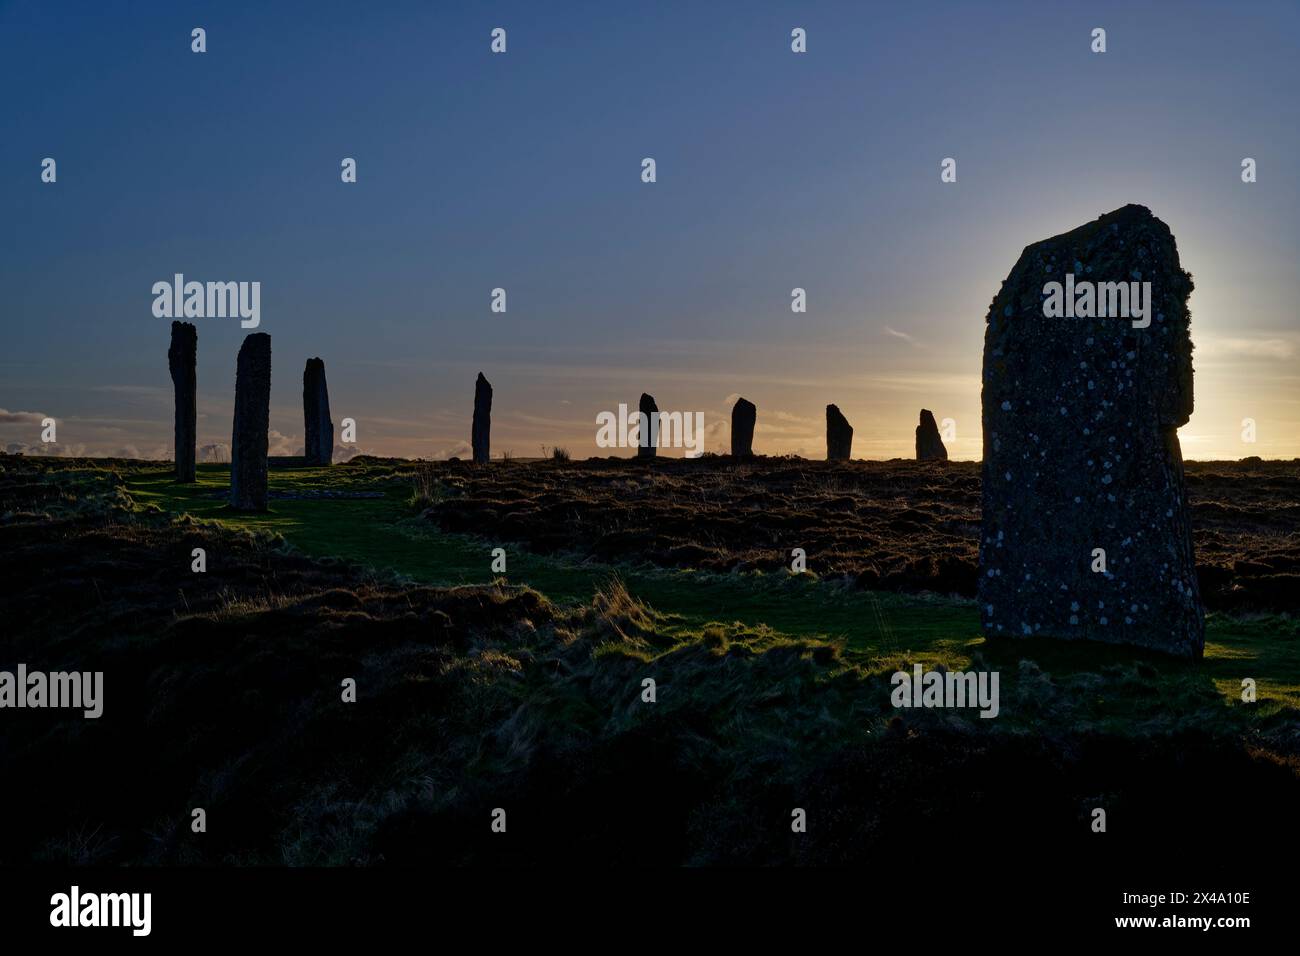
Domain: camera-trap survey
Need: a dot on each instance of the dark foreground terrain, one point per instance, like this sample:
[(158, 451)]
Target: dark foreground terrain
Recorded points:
[(223, 691), (894, 525)]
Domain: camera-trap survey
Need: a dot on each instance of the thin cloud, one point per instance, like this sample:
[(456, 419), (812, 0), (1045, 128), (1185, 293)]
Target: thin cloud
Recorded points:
[(20, 418), (1275, 349), (131, 389), (904, 336), (793, 419)]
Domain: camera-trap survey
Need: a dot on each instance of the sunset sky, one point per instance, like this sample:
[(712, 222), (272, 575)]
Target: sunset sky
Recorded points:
[(522, 171)]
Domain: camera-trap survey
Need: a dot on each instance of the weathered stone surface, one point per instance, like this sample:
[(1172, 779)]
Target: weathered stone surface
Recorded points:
[(181, 358), (1081, 449), (318, 428), (839, 435), (248, 442), (480, 435), (649, 436), (743, 416), (929, 446)]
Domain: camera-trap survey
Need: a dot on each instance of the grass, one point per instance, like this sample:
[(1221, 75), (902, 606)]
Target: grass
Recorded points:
[(773, 691), (384, 534)]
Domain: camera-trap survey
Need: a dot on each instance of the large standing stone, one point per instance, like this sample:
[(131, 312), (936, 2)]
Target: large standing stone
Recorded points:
[(650, 433), (1081, 451), (252, 419), (318, 427), (839, 435), (181, 360), (743, 416), (929, 446), (480, 433)]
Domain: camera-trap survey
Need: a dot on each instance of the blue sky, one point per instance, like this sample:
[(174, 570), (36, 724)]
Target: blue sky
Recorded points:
[(522, 171)]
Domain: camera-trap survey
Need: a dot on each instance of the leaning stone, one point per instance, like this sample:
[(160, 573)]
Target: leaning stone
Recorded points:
[(1086, 530), (929, 446), (248, 443), (181, 358), (839, 435)]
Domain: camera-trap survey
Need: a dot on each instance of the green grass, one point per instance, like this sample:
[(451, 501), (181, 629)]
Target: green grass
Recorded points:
[(875, 628)]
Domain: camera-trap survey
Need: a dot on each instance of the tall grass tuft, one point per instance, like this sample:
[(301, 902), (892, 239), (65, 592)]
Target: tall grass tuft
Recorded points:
[(427, 489)]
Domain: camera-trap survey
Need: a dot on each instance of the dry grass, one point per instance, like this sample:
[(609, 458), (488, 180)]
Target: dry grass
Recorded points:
[(897, 525)]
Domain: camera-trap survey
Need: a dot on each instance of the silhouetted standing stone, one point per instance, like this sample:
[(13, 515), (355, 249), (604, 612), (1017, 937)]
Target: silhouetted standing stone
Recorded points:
[(650, 435), (1081, 450), (318, 427), (743, 416), (481, 432), (248, 442), (181, 359), (839, 435), (929, 446)]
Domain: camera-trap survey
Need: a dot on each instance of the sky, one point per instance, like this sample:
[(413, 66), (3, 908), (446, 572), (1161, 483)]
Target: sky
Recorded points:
[(523, 171)]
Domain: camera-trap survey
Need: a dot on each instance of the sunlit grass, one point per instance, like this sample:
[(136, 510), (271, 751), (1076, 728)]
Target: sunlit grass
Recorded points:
[(877, 631)]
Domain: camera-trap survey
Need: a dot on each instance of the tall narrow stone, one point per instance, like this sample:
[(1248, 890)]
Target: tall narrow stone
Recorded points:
[(929, 446), (181, 359), (318, 428), (649, 437), (1086, 530), (480, 434), (743, 416), (248, 442), (839, 435)]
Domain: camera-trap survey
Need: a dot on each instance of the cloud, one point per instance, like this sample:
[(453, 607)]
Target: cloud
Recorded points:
[(793, 419), (1276, 349), (133, 390), (53, 450), (280, 445), (782, 426), (458, 450), (904, 336), (218, 453), (20, 418), (550, 422), (417, 423), (348, 452), (717, 436)]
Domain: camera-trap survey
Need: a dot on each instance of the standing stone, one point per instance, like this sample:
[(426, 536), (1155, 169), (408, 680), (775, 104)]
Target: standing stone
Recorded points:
[(1081, 450), (839, 435), (181, 360), (649, 435), (929, 446), (482, 427), (318, 427), (743, 416), (248, 442)]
